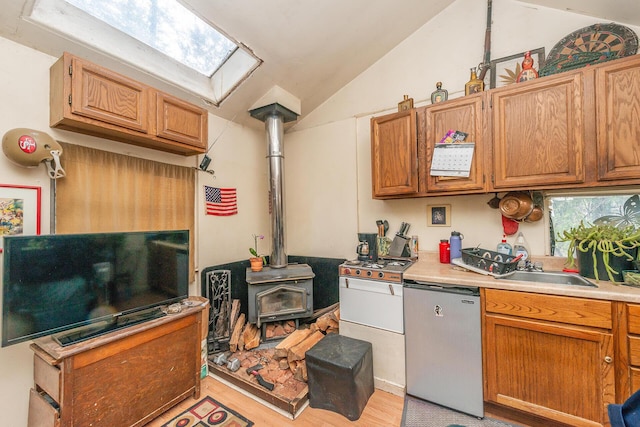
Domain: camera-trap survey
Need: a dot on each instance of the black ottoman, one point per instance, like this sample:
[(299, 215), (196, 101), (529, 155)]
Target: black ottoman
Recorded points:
[(340, 375)]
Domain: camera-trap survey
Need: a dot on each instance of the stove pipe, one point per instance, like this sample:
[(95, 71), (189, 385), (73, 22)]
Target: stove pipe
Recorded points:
[(274, 116)]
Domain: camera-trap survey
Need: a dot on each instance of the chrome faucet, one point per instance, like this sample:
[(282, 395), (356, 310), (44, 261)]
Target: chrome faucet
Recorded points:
[(527, 265)]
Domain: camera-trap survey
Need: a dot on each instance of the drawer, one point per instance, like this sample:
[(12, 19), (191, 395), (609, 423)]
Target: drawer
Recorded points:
[(634, 351), (554, 308), (634, 318), (41, 411), (46, 377)]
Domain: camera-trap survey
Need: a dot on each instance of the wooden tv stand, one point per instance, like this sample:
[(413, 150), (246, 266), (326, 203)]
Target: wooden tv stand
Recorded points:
[(124, 378)]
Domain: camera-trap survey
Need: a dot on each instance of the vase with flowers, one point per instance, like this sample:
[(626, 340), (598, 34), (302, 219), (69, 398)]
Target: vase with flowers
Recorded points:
[(257, 261)]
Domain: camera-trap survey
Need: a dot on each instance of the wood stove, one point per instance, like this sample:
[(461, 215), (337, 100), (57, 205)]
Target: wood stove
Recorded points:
[(277, 294)]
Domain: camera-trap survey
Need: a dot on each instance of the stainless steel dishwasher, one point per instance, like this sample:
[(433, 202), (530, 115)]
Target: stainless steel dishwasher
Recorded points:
[(443, 345)]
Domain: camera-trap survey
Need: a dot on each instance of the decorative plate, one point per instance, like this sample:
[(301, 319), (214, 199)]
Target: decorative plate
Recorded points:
[(590, 45)]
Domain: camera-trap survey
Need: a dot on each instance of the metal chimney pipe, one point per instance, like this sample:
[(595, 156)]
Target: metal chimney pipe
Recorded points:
[(275, 155), (274, 116)]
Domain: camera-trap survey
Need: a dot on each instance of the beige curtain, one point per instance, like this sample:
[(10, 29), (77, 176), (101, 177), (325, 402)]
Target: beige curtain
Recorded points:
[(106, 192)]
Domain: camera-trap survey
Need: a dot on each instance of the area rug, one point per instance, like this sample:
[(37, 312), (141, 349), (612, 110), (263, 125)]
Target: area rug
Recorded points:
[(208, 412), (420, 413)]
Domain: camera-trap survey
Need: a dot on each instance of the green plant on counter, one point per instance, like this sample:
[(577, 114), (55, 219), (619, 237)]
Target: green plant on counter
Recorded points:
[(606, 239)]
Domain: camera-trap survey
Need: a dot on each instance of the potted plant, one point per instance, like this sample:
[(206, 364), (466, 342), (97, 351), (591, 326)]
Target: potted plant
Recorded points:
[(257, 261), (602, 249)]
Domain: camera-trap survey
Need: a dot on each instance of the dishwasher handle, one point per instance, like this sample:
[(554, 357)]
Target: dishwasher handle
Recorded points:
[(443, 287)]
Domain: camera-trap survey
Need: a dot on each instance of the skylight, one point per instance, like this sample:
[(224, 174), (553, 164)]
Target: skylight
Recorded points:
[(160, 37), (166, 26)]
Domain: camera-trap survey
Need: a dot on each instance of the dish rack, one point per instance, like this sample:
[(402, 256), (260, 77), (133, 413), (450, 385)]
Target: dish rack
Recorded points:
[(491, 262)]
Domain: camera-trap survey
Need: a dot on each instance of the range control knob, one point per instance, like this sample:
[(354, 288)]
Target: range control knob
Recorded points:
[(358, 272), (347, 271), (369, 273), (381, 274)]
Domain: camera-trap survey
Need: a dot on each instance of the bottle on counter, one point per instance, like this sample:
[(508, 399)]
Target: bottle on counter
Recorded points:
[(504, 247), (444, 251), (414, 247), (520, 247), (455, 245)]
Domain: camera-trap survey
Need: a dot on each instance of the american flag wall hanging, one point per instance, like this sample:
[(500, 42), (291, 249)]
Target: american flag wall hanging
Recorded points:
[(220, 201)]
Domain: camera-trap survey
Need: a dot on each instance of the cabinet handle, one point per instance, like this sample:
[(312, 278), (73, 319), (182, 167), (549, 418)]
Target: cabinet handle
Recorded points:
[(608, 359)]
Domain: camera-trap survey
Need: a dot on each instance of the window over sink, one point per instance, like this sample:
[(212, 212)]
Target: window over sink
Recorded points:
[(566, 210)]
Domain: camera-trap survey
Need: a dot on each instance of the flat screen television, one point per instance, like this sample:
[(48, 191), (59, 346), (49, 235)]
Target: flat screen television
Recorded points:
[(89, 284)]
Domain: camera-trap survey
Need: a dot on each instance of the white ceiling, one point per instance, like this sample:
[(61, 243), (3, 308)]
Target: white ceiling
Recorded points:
[(310, 48)]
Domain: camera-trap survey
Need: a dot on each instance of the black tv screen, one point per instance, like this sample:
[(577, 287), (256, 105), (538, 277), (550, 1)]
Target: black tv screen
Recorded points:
[(54, 283)]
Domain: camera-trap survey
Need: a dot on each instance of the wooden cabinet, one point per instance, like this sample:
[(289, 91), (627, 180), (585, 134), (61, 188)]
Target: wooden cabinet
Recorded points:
[(88, 98), (538, 133), (632, 371), (578, 129), (126, 377), (394, 155), (463, 114), (550, 356), (617, 100)]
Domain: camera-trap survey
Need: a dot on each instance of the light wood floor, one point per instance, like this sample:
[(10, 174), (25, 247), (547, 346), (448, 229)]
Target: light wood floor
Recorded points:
[(383, 410)]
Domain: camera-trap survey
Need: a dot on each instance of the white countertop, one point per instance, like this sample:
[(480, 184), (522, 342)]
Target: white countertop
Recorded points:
[(428, 268)]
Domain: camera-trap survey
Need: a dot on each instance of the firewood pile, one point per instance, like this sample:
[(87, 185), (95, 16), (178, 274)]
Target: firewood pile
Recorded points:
[(282, 365)]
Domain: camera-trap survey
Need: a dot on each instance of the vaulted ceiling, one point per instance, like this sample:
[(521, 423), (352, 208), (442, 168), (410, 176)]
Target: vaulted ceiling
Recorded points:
[(310, 49)]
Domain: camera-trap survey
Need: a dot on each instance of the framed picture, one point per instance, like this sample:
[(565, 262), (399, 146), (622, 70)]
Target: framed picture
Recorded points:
[(439, 215), (505, 70), (19, 210)]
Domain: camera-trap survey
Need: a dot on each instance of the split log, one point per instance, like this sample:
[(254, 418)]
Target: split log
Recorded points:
[(235, 312), (283, 363), (235, 336), (282, 349), (251, 336), (298, 351)]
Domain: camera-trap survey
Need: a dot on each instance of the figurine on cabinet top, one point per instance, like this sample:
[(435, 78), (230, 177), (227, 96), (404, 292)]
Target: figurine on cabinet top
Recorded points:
[(528, 72), (439, 94), (405, 104), (474, 85)]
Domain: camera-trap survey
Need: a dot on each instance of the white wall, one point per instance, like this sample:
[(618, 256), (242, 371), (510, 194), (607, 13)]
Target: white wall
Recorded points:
[(444, 49), (238, 161)]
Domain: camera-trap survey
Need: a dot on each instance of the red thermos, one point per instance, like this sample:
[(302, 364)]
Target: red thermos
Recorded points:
[(444, 251)]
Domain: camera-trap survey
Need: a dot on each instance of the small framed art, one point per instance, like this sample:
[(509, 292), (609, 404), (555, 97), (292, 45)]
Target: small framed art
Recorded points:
[(20, 208), (505, 70), (439, 215)]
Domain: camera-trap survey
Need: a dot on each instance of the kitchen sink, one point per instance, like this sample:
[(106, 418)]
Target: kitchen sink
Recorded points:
[(555, 277)]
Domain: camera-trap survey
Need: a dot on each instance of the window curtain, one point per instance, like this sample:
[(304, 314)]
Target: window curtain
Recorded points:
[(108, 192)]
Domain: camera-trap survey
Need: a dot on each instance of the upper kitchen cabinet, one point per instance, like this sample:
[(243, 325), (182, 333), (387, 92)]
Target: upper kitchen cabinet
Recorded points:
[(463, 114), (90, 99), (538, 133), (618, 120), (394, 155)]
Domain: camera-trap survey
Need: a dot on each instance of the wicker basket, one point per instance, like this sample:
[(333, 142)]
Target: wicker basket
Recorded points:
[(491, 261)]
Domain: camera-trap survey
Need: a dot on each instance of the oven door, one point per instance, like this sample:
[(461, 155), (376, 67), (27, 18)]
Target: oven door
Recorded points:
[(372, 303)]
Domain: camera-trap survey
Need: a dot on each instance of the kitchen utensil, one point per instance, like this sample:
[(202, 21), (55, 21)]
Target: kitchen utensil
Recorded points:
[(510, 226), (495, 202), (535, 215), (516, 205)]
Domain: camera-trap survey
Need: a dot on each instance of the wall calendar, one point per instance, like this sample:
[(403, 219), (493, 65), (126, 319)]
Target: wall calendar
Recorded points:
[(452, 159)]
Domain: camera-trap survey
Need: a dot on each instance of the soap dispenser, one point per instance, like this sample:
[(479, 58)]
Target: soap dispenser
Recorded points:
[(520, 247), (504, 247)]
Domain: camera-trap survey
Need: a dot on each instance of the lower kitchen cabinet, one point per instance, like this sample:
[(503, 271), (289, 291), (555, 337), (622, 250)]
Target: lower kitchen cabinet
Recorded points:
[(633, 337), (549, 356)]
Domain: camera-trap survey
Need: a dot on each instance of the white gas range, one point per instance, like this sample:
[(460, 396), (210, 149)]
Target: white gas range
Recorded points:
[(371, 309)]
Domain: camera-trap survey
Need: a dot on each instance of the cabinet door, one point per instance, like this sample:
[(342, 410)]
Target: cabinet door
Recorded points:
[(394, 154), (180, 121), (618, 120), (465, 115), (560, 372), (538, 133), (103, 95)]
